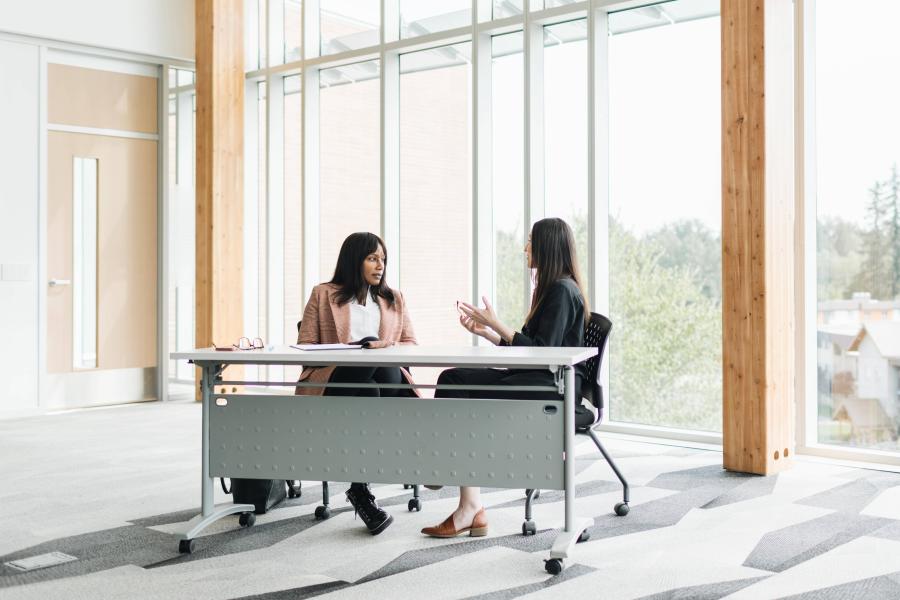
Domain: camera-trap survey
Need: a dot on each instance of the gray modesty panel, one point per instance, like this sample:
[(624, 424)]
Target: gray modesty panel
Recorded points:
[(491, 443)]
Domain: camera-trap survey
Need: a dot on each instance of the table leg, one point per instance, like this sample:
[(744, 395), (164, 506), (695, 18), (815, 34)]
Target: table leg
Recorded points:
[(566, 540), (209, 512)]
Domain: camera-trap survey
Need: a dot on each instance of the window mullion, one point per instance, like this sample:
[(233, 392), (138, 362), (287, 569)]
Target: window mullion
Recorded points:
[(483, 253)]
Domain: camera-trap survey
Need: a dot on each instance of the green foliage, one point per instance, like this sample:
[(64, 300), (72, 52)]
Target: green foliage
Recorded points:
[(665, 354), (874, 277), (893, 230), (511, 277), (876, 268), (838, 259), (690, 244)]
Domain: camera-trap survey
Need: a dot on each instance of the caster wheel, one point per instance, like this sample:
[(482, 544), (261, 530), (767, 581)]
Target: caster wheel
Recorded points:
[(621, 509), (407, 486), (322, 512), (529, 528), (247, 519), (414, 505), (554, 566), (186, 546), (294, 490), (585, 536)]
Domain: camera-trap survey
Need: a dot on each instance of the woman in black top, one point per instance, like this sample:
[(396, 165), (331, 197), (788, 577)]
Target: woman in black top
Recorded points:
[(558, 317)]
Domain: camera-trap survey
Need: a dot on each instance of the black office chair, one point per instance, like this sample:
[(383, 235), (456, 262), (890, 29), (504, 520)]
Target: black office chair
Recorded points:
[(324, 511), (596, 335)]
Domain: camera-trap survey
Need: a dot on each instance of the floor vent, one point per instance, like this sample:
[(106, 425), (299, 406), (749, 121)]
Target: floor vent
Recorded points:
[(40, 561)]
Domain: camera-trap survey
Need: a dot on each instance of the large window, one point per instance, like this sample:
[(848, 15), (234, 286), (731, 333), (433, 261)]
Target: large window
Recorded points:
[(388, 141), (293, 224), (857, 225), (435, 254), (348, 24), (566, 128), (349, 144), (665, 220), (420, 17), (508, 177), (293, 29)]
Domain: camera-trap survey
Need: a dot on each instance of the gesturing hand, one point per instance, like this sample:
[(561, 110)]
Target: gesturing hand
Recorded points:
[(481, 316), (472, 327)]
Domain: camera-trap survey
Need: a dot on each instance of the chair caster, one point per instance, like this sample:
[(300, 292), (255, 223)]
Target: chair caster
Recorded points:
[(622, 509), (294, 490), (247, 519), (407, 486), (585, 536), (186, 546), (554, 566), (322, 512), (529, 528), (414, 504)]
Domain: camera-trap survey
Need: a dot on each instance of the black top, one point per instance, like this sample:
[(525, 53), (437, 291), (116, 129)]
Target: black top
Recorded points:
[(558, 321)]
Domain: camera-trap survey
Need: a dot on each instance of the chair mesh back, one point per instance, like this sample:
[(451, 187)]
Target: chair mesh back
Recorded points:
[(595, 336)]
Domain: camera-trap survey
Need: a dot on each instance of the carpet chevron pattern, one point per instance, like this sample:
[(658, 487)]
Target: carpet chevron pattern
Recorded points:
[(109, 486)]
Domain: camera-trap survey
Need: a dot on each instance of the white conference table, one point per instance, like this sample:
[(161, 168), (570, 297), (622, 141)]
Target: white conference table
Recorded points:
[(445, 441)]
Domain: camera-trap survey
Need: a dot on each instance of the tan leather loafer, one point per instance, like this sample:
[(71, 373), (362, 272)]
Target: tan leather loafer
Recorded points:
[(478, 528)]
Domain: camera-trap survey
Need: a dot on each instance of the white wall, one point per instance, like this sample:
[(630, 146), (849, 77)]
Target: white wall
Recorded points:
[(163, 28), (19, 114)]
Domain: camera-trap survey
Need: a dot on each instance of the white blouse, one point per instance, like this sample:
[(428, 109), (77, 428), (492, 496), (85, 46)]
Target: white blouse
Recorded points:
[(365, 321)]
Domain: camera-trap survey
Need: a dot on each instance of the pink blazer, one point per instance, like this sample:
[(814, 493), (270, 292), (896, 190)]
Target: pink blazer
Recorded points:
[(324, 322)]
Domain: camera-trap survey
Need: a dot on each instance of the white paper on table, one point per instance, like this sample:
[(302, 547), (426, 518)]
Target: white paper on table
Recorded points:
[(326, 346)]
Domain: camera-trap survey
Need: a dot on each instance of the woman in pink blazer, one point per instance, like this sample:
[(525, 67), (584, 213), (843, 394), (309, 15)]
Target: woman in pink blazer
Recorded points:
[(357, 305)]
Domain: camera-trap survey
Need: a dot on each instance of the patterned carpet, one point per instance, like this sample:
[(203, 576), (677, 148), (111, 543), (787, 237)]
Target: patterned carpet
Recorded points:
[(109, 486)]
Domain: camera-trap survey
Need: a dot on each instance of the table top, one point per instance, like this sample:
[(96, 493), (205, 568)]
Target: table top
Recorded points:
[(420, 356)]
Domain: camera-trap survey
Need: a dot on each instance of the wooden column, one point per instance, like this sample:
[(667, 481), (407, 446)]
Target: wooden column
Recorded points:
[(220, 171), (757, 235)]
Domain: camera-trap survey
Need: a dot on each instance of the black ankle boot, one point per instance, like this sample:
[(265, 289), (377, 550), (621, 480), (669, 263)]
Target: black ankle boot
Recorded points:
[(363, 501)]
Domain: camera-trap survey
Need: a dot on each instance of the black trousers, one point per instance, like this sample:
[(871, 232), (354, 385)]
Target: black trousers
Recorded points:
[(496, 377), (364, 375)]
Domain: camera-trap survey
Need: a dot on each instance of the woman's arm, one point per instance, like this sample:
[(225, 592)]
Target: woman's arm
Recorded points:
[(558, 312)]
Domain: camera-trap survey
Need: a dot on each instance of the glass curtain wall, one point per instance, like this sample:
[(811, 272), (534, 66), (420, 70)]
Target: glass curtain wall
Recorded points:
[(414, 98), (857, 227), (566, 128), (293, 219), (665, 221), (508, 176), (435, 254), (348, 143)]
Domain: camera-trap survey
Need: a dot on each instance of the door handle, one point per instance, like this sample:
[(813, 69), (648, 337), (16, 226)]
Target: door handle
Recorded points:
[(56, 282)]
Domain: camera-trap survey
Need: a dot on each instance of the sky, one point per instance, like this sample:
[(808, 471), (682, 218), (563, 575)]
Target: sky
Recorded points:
[(857, 102)]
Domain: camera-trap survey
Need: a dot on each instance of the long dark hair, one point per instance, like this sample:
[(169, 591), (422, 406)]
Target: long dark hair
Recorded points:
[(348, 271), (553, 257)]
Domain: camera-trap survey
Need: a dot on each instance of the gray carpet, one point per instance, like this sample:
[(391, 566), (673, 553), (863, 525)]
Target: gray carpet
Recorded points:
[(109, 486)]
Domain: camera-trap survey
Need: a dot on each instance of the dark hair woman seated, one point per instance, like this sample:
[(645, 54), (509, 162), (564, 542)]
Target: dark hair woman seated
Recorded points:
[(357, 304), (558, 317)]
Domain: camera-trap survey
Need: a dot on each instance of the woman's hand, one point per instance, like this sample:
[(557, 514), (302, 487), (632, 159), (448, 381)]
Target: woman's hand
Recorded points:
[(482, 316), (485, 317), (480, 330)]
